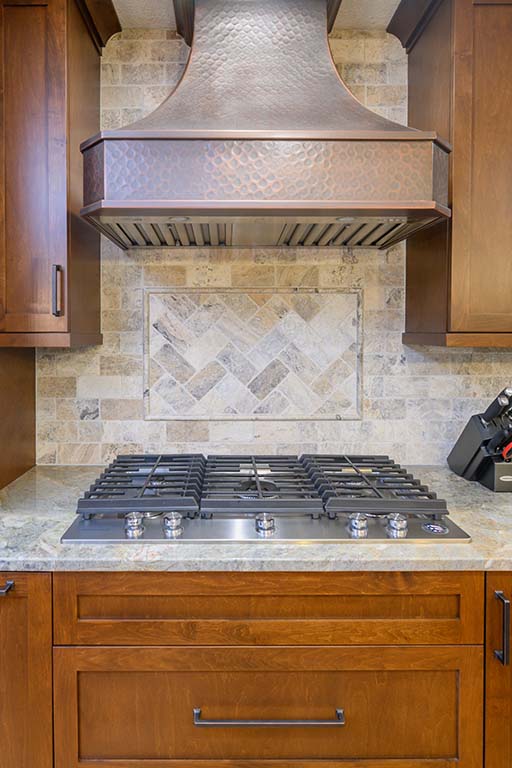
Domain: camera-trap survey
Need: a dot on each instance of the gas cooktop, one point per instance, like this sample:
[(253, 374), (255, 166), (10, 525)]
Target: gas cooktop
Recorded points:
[(159, 498)]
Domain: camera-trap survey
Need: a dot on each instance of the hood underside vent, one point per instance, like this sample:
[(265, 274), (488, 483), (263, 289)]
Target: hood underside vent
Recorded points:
[(261, 144), (354, 233)]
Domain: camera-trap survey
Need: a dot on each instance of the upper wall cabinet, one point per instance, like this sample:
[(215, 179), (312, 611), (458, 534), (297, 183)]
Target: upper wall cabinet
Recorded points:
[(50, 102), (459, 275)]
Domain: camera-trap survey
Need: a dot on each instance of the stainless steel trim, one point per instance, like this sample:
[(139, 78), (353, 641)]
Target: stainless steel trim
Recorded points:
[(199, 722), (226, 530), (9, 585)]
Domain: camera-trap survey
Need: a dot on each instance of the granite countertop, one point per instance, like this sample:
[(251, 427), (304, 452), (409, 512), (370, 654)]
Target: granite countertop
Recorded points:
[(37, 508)]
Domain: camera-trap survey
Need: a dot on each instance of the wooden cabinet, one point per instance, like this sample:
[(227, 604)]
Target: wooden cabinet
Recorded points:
[(498, 727), (201, 670), (50, 102), (18, 409), (268, 609), (25, 671), (411, 707), (459, 275)]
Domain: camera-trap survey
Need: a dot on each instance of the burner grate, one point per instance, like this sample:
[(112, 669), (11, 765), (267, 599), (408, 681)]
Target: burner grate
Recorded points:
[(238, 485), (148, 484), (242, 486), (370, 484)]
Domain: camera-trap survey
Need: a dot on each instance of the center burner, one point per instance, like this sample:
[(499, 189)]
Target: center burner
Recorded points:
[(158, 498), (241, 485)]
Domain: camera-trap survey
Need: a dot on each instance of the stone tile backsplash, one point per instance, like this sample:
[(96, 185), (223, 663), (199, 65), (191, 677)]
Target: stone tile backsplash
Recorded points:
[(375, 395), (246, 354)]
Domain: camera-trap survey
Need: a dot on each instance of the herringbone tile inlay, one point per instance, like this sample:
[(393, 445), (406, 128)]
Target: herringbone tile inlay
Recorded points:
[(252, 355)]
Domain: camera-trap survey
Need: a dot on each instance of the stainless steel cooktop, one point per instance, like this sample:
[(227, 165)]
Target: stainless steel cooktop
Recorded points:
[(159, 498)]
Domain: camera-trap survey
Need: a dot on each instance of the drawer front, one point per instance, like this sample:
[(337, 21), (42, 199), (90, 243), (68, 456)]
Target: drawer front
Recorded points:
[(402, 707), (268, 609)]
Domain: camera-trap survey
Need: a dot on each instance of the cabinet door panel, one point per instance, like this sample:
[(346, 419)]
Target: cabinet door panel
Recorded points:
[(26, 672), (498, 733), (482, 159), (268, 609), (34, 162), (388, 696)]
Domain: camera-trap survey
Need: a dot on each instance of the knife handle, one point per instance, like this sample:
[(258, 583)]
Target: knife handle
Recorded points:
[(497, 407), (499, 439)]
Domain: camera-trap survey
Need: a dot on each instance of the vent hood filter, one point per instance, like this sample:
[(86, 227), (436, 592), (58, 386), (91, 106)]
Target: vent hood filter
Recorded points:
[(261, 144)]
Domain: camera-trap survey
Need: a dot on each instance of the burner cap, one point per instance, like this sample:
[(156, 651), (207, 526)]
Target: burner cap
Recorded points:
[(249, 489)]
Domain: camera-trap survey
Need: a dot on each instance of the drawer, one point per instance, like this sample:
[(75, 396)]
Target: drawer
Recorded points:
[(170, 707), (268, 609)]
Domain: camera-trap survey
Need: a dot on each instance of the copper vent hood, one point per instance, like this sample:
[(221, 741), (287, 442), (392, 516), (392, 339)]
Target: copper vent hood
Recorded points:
[(261, 144)]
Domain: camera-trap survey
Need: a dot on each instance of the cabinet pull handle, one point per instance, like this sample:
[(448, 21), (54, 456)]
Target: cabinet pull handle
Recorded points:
[(504, 654), (339, 720), (8, 586), (57, 272)]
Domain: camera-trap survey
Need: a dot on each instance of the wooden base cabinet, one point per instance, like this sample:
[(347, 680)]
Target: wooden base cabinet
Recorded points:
[(49, 103), (26, 739), (459, 275), (498, 695), (269, 670)]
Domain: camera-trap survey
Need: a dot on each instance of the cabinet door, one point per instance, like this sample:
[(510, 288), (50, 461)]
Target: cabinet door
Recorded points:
[(33, 218), (25, 671), (498, 672), (314, 707), (481, 275)]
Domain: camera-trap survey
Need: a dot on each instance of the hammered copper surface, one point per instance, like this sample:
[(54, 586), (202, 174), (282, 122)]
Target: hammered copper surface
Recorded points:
[(261, 120), (312, 171), (184, 14)]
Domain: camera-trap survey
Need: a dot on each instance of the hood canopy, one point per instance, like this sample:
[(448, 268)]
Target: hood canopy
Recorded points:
[(261, 144)]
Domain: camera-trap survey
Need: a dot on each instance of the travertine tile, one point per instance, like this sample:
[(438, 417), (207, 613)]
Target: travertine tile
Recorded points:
[(248, 275), (121, 410), (119, 365), (91, 403), (188, 432), (386, 95), (78, 453), (109, 386), (223, 355), (142, 74), (83, 409), (90, 431), (55, 386), (164, 275)]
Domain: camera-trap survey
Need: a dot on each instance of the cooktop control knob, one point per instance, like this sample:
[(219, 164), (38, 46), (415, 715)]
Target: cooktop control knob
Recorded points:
[(358, 526), (173, 528), (134, 525), (397, 526), (265, 525)]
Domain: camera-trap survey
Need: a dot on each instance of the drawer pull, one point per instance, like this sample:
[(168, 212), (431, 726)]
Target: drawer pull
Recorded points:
[(339, 720), (57, 272), (504, 654), (8, 586)]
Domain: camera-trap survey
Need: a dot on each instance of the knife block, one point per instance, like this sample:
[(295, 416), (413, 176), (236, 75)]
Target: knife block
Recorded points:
[(471, 459), (469, 453), (496, 475)]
